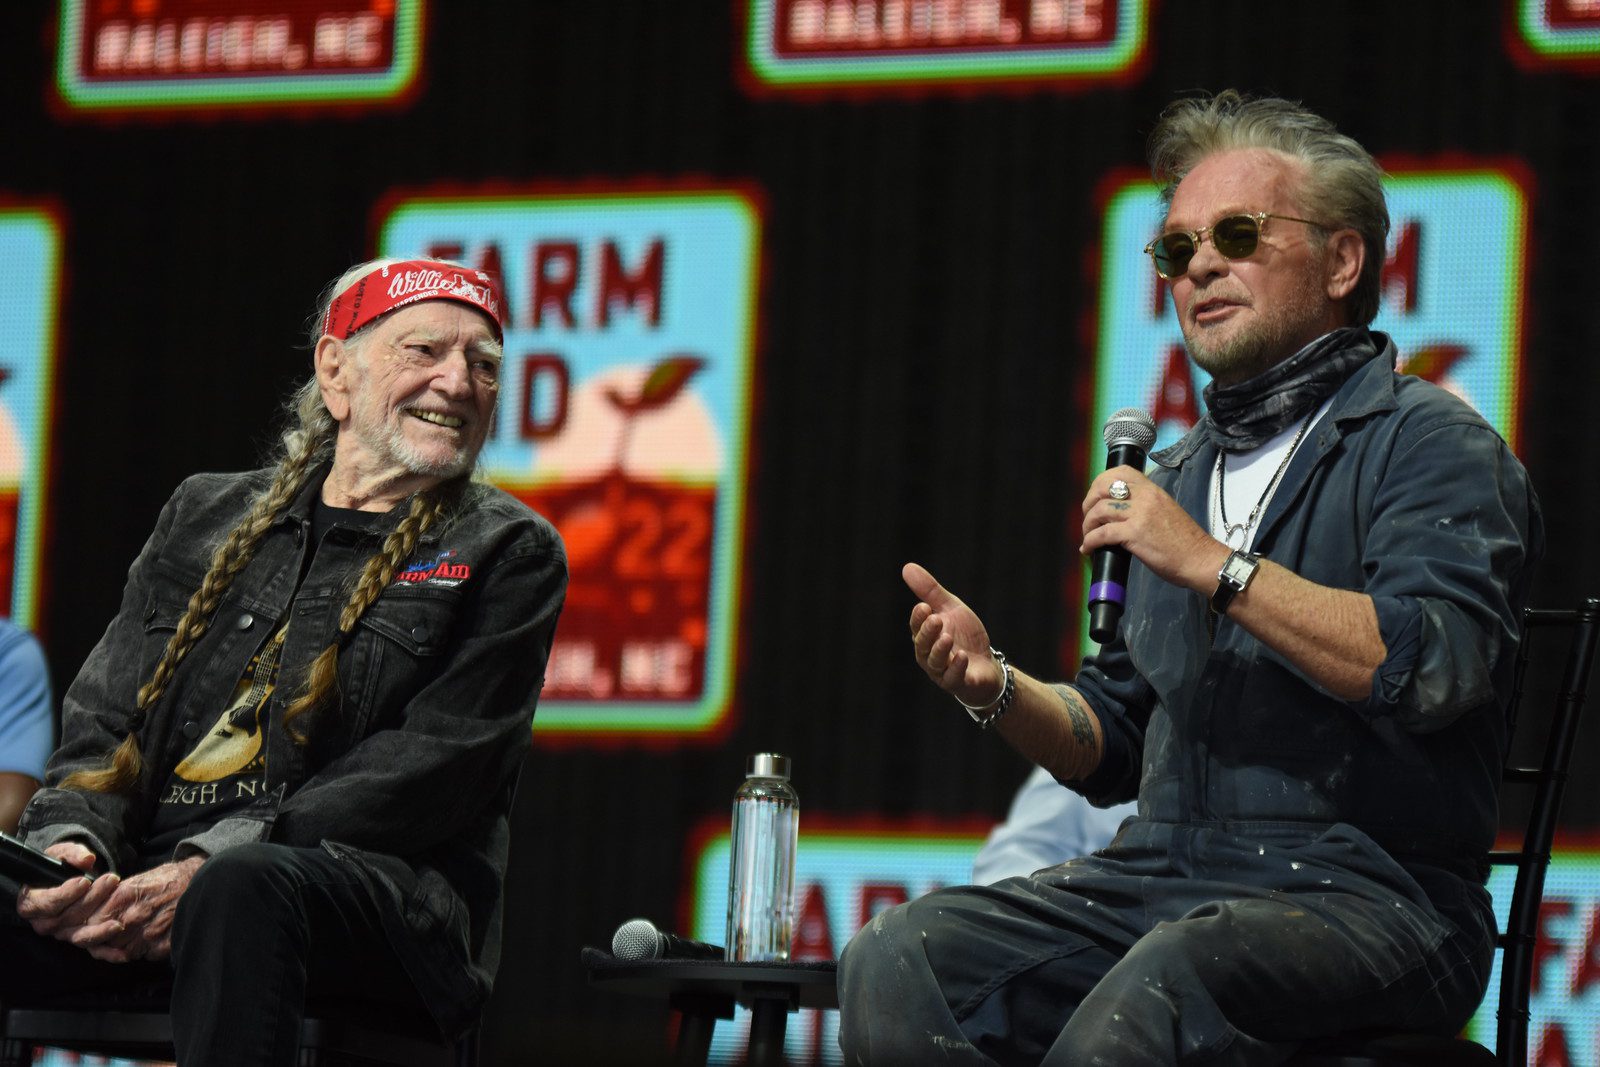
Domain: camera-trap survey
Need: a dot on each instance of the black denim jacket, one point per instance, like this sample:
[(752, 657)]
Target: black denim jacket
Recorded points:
[(409, 777)]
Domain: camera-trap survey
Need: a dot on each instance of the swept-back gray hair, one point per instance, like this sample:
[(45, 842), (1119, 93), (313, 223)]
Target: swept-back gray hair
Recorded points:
[(1344, 184)]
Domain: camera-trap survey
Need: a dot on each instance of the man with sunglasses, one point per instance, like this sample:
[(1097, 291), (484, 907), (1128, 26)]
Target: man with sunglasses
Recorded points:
[(1305, 694)]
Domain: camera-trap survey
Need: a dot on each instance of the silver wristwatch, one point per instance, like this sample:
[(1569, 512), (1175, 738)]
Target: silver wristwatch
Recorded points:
[(1233, 579)]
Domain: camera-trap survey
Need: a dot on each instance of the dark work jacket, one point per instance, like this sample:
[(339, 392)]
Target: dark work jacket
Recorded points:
[(1404, 493), (409, 775)]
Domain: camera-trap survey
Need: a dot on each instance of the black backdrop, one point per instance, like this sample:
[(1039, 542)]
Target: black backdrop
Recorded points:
[(923, 347)]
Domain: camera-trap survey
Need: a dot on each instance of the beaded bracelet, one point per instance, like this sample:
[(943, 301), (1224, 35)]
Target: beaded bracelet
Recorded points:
[(1000, 704)]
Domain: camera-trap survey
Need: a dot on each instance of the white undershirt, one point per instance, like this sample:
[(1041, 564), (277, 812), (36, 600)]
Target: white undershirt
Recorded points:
[(1248, 476)]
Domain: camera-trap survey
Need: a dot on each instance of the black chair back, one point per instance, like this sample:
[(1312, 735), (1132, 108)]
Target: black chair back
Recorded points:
[(1549, 782), (1532, 860)]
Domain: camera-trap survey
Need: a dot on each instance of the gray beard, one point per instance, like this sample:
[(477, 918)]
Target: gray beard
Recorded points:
[(1251, 352), (394, 445), (1240, 359)]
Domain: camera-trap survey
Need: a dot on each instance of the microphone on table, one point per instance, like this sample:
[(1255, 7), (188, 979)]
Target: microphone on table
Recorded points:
[(638, 939), (1129, 434)]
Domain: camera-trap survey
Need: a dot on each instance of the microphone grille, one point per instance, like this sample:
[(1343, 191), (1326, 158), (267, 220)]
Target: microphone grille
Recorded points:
[(636, 939), (1130, 426)]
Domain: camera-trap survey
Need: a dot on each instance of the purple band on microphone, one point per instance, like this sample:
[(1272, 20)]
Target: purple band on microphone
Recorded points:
[(1106, 591)]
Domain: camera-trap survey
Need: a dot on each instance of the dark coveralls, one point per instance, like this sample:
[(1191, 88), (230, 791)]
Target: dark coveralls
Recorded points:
[(1299, 864)]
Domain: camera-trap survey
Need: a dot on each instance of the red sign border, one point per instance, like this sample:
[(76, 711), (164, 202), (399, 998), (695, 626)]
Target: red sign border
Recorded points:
[(63, 110), (917, 88), (1531, 60)]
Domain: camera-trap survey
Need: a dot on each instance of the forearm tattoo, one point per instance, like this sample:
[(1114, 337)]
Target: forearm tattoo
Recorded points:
[(1079, 719)]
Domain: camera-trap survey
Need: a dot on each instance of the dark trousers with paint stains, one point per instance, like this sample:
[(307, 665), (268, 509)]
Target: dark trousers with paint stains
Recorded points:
[(1178, 944)]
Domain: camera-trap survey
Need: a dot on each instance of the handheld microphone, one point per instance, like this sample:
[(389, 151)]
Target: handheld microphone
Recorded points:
[(27, 865), (638, 939), (1129, 434)]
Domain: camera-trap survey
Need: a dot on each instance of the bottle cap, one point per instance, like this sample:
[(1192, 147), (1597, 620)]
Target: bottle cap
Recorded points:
[(767, 765)]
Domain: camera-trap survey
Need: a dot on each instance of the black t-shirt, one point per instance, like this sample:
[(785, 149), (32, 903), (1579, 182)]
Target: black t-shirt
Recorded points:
[(226, 768)]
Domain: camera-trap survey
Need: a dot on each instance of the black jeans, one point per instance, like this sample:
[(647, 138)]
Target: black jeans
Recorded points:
[(1177, 945), (259, 929)]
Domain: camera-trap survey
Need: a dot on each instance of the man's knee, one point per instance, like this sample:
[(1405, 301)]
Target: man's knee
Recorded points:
[(896, 941), (247, 883), (1219, 946), (893, 1005), (1264, 965), (884, 941)]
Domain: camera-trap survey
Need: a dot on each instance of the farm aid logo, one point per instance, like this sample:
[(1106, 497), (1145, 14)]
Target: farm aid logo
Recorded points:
[(623, 419)]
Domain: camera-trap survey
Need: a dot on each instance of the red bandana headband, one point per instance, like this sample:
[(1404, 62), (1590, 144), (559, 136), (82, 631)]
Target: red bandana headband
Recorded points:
[(395, 285)]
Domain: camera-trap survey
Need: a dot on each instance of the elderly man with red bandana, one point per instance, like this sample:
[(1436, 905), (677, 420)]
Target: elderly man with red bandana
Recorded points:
[(289, 762)]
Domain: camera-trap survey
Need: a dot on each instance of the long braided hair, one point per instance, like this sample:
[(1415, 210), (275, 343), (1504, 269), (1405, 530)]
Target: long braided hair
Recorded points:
[(426, 509), (305, 444)]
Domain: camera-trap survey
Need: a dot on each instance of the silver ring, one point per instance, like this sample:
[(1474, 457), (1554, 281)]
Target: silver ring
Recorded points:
[(1119, 490)]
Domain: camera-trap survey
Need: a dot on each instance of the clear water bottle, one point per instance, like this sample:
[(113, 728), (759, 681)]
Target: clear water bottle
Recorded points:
[(766, 821)]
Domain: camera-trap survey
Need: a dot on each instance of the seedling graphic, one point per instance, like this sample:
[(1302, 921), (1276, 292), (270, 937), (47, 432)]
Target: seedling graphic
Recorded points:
[(638, 534), (665, 381)]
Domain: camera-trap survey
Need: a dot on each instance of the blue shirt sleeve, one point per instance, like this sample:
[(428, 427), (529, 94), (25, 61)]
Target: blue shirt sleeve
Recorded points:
[(1455, 534), (27, 727), (1047, 824)]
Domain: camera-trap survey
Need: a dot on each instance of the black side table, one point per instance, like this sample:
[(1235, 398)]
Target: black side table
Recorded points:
[(703, 991)]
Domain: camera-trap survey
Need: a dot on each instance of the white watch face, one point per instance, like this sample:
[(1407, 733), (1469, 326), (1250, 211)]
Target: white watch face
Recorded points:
[(1238, 570)]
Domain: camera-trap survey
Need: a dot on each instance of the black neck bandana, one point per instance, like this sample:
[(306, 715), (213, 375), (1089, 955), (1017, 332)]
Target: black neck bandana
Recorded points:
[(1245, 416)]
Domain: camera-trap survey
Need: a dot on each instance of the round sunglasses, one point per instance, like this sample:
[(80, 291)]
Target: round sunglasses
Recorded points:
[(1233, 236)]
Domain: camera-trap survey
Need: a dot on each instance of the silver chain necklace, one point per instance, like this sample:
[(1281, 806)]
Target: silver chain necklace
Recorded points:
[(1220, 507)]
